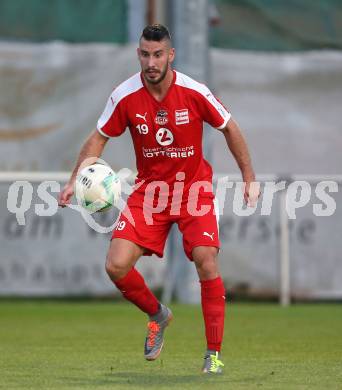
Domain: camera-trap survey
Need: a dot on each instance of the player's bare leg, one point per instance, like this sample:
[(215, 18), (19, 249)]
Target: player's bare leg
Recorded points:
[(213, 305), (121, 258)]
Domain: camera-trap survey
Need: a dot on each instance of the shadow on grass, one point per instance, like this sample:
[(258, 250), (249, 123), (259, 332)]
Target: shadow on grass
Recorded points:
[(148, 379), (155, 379), (141, 379)]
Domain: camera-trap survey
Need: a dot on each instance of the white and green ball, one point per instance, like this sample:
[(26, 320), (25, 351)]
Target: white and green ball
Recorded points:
[(97, 188)]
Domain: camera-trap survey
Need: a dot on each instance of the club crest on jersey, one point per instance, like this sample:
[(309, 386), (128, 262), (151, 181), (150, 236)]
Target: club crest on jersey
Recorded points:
[(182, 116), (161, 118)]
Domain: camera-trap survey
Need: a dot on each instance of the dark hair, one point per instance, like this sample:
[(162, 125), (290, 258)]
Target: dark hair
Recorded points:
[(156, 32)]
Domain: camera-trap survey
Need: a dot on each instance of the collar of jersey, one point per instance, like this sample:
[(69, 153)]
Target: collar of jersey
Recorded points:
[(168, 91)]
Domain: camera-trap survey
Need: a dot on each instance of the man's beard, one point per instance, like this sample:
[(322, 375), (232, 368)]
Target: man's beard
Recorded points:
[(161, 77)]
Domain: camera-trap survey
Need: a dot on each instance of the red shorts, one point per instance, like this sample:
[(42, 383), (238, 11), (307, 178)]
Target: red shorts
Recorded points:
[(197, 230)]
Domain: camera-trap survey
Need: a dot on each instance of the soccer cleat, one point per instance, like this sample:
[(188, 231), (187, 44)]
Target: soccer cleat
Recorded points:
[(212, 363), (155, 332)]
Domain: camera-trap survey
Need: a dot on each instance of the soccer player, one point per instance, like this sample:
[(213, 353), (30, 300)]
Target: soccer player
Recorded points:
[(164, 111)]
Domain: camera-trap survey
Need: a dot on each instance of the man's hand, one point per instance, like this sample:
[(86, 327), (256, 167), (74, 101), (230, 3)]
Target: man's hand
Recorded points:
[(66, 194), (252, 193), (90, 152)]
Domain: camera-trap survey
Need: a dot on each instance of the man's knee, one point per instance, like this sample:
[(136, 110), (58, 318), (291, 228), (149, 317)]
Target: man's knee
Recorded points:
[(205, 259), (115, 268), (122, 256)]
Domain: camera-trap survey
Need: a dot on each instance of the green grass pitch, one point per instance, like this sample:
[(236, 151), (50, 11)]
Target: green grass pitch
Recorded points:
[(99, 345)]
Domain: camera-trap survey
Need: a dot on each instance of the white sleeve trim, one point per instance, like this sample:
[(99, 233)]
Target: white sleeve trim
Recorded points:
[(103, 133), (126, 88), (188, 82), (225, 122)]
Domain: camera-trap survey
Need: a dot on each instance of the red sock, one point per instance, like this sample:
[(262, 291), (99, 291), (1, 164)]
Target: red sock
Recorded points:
[(134, 289), (213, 305)]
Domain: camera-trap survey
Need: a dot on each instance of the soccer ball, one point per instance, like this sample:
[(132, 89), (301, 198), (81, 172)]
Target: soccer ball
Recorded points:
[(97, 188)]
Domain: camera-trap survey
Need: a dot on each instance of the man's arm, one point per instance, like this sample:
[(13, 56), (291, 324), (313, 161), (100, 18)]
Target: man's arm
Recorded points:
[(238, 147), (90, 152)]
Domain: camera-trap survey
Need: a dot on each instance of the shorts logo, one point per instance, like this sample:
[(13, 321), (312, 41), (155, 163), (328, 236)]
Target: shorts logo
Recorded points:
[(209, 235), (161, 118), (182, 117), (164, 137)]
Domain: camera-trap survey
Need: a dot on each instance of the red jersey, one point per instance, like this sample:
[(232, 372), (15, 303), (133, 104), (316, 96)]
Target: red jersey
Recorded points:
[(167, 135)]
